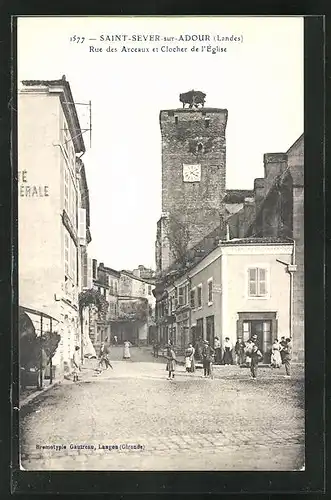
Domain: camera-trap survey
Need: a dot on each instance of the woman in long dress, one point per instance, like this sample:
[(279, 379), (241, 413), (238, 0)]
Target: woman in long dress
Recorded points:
[(189, 359), (276, 360), (126, 350), (227, 358)]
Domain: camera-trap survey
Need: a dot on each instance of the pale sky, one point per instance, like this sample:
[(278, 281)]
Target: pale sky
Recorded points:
[(259, 82)]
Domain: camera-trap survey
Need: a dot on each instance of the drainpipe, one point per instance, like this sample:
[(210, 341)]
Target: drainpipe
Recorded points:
[(291, 268)]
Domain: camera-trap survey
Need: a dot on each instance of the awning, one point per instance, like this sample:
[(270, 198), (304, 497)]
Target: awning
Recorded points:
[(37, 313)]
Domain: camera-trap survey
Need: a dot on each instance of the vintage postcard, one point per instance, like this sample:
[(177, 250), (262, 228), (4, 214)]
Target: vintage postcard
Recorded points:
[(161, 246)]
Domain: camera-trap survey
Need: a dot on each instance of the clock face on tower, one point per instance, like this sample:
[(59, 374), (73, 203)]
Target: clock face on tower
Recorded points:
[(192, 173)]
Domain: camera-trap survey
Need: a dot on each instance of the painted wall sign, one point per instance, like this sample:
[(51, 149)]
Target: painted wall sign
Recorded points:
[(28, 190)]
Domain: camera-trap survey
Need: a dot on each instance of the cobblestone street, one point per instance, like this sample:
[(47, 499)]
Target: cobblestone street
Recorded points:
[(190, 423)]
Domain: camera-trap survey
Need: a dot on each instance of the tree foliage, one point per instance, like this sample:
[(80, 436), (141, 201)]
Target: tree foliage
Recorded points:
[(134, 310), (93, 297), (179, 238)]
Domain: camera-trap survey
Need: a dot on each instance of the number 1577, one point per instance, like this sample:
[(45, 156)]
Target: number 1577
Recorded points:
[(77, 39)]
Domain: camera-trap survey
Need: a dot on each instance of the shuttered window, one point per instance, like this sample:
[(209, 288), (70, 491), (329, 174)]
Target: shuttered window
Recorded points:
[(257, 282)]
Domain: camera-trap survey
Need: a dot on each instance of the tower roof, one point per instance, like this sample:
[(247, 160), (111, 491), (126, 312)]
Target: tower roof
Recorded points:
[(194, 98)]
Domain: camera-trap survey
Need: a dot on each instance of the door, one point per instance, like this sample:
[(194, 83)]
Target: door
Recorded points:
[(199, 328), (263, 331), (193, 335), (210, 329)]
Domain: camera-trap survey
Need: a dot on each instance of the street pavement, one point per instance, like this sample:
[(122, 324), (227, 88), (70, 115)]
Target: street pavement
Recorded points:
[(133, 418)]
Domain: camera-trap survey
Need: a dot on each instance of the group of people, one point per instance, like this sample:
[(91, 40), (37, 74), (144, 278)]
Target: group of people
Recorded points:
[(226, 358), (207, 354), (247, 354), (281, 354)]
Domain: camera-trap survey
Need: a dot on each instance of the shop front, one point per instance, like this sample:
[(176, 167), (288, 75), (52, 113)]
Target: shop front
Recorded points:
[(262, 324), (183, 329)]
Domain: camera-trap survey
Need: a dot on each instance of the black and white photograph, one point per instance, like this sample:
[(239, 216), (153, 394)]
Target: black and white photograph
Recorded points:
[(161, 243)]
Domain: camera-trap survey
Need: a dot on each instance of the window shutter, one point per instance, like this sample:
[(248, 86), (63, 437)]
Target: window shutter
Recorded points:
[(193, 299), (89, 282), (66, 254), (252, 282), (262, 281), (210, 291), (82, 226), (181, 296)]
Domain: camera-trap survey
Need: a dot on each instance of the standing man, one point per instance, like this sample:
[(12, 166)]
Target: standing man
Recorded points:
[(207, 357), (115, 339), (287, 350), (256, 356), (217, 348), (254, 339), (282, 345), (240, 352)]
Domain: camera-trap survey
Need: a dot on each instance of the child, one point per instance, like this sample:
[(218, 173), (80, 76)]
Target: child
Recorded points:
[(76, 361), (171, 362), (256, 356)]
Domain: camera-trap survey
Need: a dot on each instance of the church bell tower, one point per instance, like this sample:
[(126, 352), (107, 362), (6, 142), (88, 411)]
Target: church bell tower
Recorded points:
[(193, 172)]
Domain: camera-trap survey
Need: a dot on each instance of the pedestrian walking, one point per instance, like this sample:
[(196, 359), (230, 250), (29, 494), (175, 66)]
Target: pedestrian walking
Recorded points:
[(104, 357), (282, 345), (171, 362), (239, 350), (248, 351), (189, 358), (218, 351), (227, 358), (276, 359), (207, 358), (126, 349), (256, 356), (287, 350), (76, 362)]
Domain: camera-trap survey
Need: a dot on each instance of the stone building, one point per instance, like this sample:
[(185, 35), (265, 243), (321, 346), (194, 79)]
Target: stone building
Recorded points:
[(106, 282), (136, 304), (239, 288), (193, 178), (53, 209), (131, 305), (277, 210)]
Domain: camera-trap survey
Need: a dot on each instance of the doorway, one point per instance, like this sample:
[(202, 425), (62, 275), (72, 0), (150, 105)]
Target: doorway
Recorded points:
[(264, 325), (210, 329)]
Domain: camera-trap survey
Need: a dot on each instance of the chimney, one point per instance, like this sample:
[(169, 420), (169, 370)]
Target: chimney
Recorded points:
[(274, 164), (259, 190)]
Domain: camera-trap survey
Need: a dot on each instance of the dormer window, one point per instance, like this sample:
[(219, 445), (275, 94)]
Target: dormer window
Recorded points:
[(176, 120), (207, 122)]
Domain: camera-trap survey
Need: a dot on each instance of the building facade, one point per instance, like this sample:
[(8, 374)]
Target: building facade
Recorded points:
[(277, 210), (240, 288), (193, 179), (106, 282), (53, 209), (131, 305), (136, 308)]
